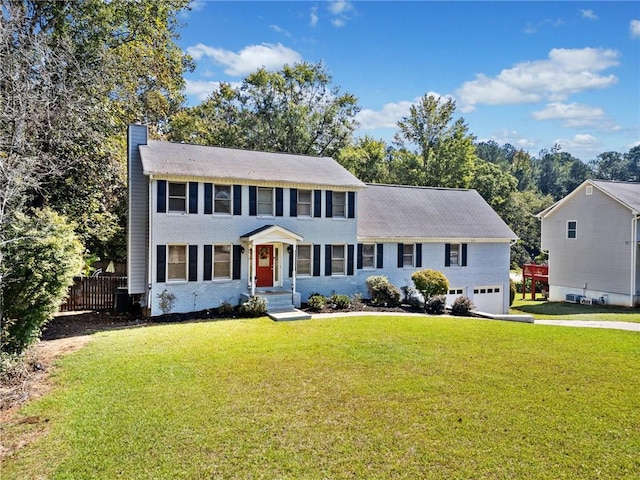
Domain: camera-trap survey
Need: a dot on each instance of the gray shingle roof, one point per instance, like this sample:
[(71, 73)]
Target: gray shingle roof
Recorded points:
[(400, 212), (242, 166), (626, 192)]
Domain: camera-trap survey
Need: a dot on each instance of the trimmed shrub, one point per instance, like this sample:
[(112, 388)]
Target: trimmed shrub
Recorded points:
[(435, 305), (430, 283), (316, 302), (512, 292), (462, 306), (254, 307), (340, 302), (39, 260), (382, 292), (225, 308)]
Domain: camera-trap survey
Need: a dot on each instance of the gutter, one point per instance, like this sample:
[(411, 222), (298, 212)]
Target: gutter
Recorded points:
[(150, 246)]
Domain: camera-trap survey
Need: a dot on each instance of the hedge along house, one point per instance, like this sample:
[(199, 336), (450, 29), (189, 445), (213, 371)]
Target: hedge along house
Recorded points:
[(213, 225)]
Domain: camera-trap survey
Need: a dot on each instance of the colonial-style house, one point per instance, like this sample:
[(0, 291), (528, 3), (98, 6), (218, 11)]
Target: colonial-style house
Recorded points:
[(593, 239), (212, 225)]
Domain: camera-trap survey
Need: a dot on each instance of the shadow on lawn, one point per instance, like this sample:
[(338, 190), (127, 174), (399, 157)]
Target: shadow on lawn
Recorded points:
[(561, 309)]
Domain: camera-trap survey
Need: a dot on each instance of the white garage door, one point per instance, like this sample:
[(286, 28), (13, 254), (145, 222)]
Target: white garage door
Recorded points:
[(488, 299)]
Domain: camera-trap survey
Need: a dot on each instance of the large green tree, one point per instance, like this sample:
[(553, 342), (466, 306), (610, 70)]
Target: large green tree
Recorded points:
[(367, 159), (294, 110), (444, 144), (80, 71)]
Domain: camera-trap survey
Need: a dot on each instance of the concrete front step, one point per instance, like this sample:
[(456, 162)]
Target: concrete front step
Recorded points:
[(289, 315)]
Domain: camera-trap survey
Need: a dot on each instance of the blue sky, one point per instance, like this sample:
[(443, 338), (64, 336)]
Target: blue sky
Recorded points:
[(527, 73)]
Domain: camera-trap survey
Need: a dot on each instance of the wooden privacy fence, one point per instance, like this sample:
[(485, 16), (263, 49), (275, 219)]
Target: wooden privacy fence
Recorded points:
[(93, 293)]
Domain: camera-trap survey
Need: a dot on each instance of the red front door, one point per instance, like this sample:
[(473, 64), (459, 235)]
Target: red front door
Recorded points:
[(264, 269)]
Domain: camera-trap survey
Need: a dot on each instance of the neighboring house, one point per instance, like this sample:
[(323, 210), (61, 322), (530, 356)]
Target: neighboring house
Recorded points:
[(593, 239), (214, 225)]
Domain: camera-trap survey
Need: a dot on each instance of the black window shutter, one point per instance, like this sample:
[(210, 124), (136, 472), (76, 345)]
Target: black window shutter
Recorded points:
[(400, 255), (237, 261), (193, 263), (162, 196), (359, 261), (253, 210), (279, 202), (293, 202), (317, 203), (327, 260), (161, 263), (193, 197), (447, 254), (351, 204), (237, 199), (208, 198), (350, 249), (464, 254), (418, 255), (208, 262), (290, 248), (329, 204), (316, 260), (379, 255)]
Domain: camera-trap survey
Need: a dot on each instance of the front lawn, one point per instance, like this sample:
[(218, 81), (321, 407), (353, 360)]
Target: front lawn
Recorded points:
[(356, 397), (541, 309)]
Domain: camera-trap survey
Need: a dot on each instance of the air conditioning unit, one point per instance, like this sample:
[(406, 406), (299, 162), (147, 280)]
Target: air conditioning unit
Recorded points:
[(586, 301), (573, 298)]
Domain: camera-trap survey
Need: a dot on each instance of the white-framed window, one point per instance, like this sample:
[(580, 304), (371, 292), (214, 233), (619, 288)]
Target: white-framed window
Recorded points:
[(454, 254), (221, 262), (304, 203), (589, 190), (338, 260), (222, 199), (265, 201), (177, 263), (407, 255), (339, 205), (456, 291), (304, 260), (177, 198), (572, 229), (369, 255)]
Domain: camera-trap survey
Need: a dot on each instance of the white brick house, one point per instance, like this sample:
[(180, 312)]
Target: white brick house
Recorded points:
[(214, 225)]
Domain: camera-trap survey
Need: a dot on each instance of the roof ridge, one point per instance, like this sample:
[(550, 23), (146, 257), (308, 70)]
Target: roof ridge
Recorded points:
[(419, 187)]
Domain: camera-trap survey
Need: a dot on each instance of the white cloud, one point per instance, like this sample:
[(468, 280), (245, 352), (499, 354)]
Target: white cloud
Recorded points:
[(249, 59), (589, 14), (512, 137), (634, 28), (341, 11), (201, 89), (390, 114), (580, 143), (279, 29), (534, 27), (565, 72), (573, 114), (313, 17), (388, 117)]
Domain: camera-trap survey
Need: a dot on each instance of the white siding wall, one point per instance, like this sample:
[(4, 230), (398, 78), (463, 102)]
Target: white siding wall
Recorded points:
[(598, 260), (200, 229)]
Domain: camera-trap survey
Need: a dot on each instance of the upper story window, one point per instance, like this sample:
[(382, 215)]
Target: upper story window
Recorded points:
[(369, 255), (303, 264), (339, 204), (265, 201), (572, 229), (304, 203), (454, 254), (407, 255), (177, 197), (222, 199), (177, 263)]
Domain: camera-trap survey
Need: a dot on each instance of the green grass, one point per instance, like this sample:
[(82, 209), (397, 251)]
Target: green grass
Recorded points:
[(541, 309), (357, 397)]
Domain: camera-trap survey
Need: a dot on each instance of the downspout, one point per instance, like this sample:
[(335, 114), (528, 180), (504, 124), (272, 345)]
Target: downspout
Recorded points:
[(634, 259), (150, 247)]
